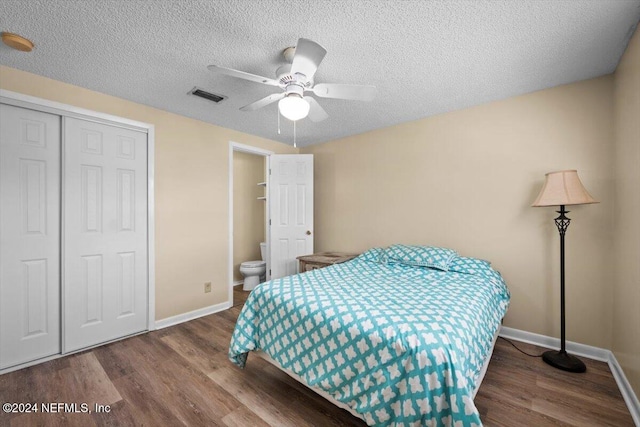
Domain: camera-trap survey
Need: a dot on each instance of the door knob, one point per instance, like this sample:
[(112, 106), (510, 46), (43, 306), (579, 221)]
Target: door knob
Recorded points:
[(308, 232)]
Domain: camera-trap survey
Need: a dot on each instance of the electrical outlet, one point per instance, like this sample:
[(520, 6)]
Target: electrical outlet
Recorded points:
[(207, 287)]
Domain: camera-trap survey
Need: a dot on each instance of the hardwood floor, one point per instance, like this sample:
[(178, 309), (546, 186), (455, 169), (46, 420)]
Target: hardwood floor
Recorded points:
[(239, 296), (181, 376)]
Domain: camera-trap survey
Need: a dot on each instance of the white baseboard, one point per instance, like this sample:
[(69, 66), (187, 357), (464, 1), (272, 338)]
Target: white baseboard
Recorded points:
[(588, 351), (238, 282), (578, 349), (191, 315), (628, 394)]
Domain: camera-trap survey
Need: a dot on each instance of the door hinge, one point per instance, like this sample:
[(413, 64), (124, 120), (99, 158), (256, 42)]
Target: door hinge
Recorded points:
[(269, 272), (269, 171), (269, 222)]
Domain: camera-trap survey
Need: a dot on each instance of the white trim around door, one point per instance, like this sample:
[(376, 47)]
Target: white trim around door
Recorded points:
[(65, 110), (235, 146)]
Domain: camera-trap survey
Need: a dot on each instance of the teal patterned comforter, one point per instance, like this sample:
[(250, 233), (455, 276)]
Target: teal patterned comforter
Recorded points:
[(401, 345)]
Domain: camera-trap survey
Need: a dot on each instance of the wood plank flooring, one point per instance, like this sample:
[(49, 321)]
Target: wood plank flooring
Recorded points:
[(181, 376)]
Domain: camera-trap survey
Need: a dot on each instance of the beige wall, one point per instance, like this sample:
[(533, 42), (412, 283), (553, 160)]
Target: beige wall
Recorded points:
[(466, 180), (626, 287), (248, 211), (192, 177)]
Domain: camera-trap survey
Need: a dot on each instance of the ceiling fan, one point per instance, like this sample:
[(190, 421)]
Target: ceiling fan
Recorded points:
[(296, 78)]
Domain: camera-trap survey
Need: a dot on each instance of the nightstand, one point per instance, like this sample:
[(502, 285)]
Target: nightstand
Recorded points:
[(322, 259)]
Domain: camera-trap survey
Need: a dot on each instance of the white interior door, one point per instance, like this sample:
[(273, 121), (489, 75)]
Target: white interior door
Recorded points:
[(291, 211), (105, 233), (29, 235)]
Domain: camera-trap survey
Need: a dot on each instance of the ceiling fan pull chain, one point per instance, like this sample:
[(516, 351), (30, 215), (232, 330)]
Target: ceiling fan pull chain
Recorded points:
[(294, 135), (278, 112)]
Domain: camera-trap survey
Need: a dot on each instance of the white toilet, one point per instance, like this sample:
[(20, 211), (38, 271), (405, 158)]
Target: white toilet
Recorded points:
[(254, 271)]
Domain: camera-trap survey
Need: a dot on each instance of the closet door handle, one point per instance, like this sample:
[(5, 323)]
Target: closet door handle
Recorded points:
[(308, 232)]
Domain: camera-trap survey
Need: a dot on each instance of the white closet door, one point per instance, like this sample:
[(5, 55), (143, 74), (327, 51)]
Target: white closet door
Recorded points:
[(105, 233), (29, 235)]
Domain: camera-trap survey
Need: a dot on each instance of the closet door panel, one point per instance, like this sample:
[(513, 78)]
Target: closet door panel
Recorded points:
[(29, 235), (105, 233)]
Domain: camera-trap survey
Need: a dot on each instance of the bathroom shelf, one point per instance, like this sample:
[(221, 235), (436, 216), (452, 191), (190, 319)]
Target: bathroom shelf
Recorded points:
[(262, 184)]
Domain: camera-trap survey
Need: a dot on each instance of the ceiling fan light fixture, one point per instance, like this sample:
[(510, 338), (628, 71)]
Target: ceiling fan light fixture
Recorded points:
[(293, 107), (294, 79)]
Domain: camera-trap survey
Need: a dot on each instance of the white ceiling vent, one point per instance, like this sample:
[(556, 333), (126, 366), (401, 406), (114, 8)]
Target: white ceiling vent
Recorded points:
[(207, 95)]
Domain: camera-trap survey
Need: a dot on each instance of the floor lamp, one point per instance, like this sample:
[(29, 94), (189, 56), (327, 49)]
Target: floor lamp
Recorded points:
[(563, 188)]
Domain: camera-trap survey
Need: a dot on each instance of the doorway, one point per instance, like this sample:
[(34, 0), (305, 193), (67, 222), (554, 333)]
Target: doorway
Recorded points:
[(287, 200), (245, 234)]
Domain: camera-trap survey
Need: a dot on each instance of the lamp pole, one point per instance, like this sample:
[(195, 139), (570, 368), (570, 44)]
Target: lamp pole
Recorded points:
[(561, 359), (562, 222)]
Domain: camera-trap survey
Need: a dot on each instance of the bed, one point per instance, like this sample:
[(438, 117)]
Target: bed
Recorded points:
[(398, 336)]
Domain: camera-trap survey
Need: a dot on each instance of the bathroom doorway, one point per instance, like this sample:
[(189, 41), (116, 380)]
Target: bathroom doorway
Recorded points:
[(248, 214)]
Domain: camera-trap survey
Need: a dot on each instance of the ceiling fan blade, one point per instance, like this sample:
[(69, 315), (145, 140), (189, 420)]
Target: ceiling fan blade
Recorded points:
[(340, 91), (263, 102), (307, 58), (316, 112), (242, 75)]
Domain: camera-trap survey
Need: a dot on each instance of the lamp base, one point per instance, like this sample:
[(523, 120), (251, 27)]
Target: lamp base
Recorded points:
[(563, 360)]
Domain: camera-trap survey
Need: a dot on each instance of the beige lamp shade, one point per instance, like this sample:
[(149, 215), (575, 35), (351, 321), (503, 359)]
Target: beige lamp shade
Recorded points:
[(563, 188)]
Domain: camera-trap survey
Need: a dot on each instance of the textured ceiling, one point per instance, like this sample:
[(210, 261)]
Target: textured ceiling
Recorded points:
[(425, 57)]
